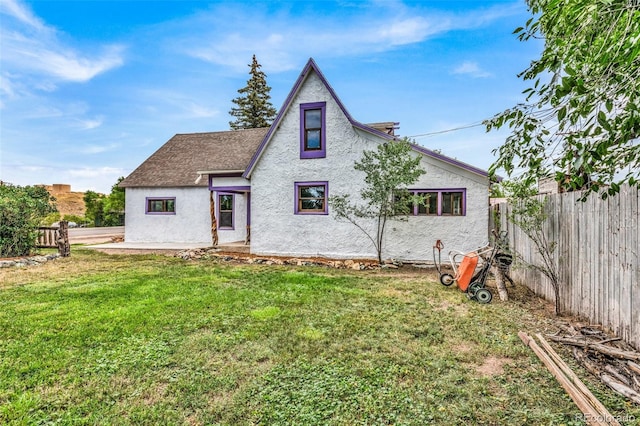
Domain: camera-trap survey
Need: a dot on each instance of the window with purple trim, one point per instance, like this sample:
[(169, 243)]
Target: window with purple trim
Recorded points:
[(312, 130), (225, 211), (440, 202), (161, 206), (311, 198), (430, 204), (451, 203)]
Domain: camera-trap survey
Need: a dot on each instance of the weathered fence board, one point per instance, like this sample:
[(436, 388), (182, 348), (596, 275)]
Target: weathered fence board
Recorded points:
[(598, 244), (49, 237)]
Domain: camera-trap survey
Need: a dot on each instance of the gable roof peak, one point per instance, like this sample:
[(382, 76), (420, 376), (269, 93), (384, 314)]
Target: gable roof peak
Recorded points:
[(384, 131), (310, 66)]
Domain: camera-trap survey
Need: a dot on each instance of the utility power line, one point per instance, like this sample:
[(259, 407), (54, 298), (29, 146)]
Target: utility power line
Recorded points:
[(467, 126)]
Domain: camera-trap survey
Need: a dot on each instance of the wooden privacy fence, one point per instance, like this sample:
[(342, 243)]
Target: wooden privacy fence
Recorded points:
[(597, 257), (50, 237)]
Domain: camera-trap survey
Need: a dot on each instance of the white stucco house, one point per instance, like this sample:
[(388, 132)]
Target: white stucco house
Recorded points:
[(275, 183)]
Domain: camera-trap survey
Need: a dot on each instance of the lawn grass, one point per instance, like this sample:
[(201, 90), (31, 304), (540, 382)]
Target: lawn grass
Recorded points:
[(144, 339)]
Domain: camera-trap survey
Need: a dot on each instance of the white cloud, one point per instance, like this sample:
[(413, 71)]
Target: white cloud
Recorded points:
[(6, 90), (404, 31), (71, 66), (180, 104), (88, 124), (97, 149), (201, 111), (32, 169), (96, 172), (31, 47), (472, 69), (18, 11), (240, 32), (99, 179)]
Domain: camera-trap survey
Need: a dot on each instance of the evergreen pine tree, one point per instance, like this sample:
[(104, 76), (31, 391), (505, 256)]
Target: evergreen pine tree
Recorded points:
[(254, 107)]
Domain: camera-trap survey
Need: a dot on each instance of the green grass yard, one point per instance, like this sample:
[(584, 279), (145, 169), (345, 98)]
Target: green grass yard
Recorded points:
[(99, 339)]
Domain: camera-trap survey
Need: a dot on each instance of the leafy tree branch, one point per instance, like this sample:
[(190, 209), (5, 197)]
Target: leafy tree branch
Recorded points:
[(581, 119)]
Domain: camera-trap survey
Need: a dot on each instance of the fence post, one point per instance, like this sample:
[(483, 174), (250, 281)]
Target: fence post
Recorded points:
[(64, 248)]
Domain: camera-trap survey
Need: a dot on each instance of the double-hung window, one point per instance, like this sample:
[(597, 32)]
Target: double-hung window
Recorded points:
[(311, 197), (313, 142), (161, 205), (225, 211)]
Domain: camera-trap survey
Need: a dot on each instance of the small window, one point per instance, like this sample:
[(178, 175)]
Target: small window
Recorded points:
[(402, 203), (311, 198), (225, 211), (429, 205), (440, 202), (312, 130), (161, 205), (452, 203)]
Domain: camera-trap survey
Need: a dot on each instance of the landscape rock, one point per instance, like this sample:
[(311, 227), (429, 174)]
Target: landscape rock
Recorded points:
[(215, 253), (22, 262)]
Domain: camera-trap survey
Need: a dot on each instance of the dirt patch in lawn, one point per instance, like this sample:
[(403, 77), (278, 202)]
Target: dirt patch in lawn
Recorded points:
[(463, 348), (458, 308), (493, 366)]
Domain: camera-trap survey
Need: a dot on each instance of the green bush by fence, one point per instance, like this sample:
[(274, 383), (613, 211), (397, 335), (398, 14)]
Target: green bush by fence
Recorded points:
[(21, 211)]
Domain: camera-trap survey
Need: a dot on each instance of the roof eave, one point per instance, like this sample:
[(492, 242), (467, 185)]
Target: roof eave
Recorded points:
[(220, 172)]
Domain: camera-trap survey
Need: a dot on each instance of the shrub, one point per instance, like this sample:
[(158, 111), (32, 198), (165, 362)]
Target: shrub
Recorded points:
[(22, 209), (74, 218), (51, 218)]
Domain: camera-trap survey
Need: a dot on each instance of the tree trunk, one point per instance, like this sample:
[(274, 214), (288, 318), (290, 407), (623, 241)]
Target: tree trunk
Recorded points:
[(502, 288), (556, 294), (64, 248), (214, 222), (382, 220)]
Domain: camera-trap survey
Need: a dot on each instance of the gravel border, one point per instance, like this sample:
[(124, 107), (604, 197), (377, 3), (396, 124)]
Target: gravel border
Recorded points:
[(21, 262)]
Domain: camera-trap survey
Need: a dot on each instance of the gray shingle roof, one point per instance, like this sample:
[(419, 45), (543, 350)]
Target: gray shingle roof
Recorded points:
[(177, 162)]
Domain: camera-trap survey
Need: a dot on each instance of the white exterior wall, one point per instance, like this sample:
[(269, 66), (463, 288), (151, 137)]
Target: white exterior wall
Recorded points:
[(190, 224), (277, 230), (414, 239)]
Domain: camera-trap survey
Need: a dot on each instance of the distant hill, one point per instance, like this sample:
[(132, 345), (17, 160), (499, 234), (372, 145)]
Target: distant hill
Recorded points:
[(68, 202)]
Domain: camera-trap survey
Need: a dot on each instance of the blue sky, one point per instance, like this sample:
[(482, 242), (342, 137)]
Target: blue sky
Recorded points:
[(90, 89)]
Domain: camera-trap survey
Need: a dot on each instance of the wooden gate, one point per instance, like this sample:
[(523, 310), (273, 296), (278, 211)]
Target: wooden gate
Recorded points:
[(50, 237)]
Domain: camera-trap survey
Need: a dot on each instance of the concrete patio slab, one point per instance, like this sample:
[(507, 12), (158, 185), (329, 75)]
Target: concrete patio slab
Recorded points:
[(148, 246)]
